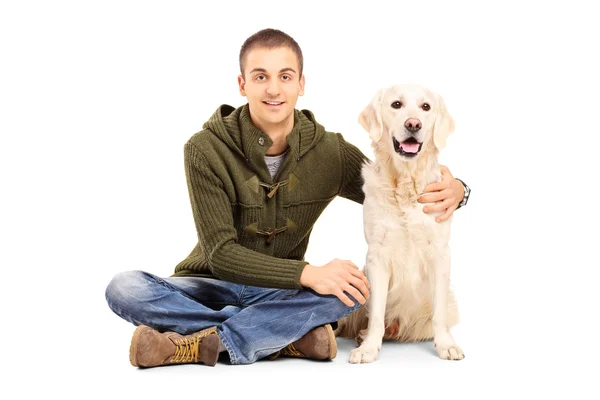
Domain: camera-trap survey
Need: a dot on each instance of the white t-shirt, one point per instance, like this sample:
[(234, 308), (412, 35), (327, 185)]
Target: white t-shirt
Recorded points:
[(274, 162)]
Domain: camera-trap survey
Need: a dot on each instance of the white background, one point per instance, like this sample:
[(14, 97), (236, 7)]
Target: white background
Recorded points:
[(98, 98)]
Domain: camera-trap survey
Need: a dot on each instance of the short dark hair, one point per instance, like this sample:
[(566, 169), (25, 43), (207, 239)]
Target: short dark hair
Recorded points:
[(270, 39)]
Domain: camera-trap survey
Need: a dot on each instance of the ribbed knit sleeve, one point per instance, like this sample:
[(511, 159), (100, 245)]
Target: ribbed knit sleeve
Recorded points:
[(228, 260), (352, 162)]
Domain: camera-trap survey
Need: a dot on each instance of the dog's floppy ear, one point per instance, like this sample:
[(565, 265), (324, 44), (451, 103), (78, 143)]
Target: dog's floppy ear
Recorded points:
[(443, 125), (370, 117)]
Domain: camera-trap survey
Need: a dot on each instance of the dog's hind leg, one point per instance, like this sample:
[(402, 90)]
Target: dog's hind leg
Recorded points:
[(422, 327), (350, 326)]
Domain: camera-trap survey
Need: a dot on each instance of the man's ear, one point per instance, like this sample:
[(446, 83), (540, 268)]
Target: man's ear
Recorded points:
[(302, 81), (443, 125), (242, 85), (370, 117)]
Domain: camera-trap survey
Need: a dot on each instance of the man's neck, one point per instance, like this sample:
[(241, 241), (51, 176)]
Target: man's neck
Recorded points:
[(277, 133)]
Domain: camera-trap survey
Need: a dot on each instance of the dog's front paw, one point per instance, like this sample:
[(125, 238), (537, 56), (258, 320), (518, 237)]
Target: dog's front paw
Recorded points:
[(364, 354), (447, 349)]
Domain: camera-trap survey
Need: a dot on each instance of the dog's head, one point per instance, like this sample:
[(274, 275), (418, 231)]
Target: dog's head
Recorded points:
[(407, 119)]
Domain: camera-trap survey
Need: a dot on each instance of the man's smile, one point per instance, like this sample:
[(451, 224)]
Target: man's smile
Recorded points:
[(273, 104)]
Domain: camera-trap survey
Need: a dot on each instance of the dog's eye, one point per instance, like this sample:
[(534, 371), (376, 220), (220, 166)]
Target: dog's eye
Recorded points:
[(396, 104), (426, 107)]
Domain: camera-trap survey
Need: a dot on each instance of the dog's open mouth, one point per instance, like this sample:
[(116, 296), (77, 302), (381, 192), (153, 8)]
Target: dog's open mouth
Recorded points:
[(409, 148)]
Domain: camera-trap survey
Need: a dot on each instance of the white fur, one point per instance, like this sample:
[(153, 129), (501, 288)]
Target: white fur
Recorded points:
[(408, 258)]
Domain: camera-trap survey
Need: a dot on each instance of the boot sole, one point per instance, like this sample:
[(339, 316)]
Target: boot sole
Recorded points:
[(333, 347)]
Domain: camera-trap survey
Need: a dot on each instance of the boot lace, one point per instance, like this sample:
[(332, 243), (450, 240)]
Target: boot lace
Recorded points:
[(187, 348), (290, 350)]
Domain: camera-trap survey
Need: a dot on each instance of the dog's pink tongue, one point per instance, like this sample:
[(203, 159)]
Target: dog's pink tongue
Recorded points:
[(410, 147)]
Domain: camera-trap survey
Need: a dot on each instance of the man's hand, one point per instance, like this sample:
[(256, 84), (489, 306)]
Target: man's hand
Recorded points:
[(447, 195), (336, 277)]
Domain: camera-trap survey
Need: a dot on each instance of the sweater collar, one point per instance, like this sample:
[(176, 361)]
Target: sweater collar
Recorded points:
[(255, 142), (235, 127)]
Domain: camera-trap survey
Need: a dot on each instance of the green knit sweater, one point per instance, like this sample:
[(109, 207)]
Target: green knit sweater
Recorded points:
[(253, 229)]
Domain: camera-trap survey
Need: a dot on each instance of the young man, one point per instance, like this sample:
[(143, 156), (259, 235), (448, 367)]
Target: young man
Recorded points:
[(258, 176)]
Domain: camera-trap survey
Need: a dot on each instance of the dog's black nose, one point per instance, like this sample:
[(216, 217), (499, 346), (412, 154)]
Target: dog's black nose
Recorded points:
[(413, 125)]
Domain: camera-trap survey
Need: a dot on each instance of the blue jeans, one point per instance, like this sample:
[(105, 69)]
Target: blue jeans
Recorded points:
[(252, 322)]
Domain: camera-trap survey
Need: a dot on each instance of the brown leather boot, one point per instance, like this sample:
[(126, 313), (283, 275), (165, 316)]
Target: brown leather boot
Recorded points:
[(318, 344), (150, 348)]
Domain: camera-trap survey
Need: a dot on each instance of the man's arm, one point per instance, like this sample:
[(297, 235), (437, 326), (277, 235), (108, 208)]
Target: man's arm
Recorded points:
[(213, 218)]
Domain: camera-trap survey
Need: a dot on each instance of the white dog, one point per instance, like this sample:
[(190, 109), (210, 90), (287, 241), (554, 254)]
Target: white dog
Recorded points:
[(408, 258)]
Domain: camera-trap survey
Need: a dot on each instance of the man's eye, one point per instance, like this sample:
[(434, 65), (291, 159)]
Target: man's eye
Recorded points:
[(286, 77), (260, 78)]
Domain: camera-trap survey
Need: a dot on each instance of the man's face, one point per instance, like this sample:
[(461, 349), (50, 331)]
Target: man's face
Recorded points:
[(272, 84)]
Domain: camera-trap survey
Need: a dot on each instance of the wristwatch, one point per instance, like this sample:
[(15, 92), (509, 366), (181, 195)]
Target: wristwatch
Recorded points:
[(467, 193)]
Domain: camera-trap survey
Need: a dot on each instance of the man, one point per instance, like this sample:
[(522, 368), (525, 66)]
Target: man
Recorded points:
[(258, 178)]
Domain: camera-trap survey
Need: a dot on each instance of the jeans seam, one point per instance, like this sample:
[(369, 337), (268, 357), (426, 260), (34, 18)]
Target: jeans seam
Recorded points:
[(241, 297), (232, 356)]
